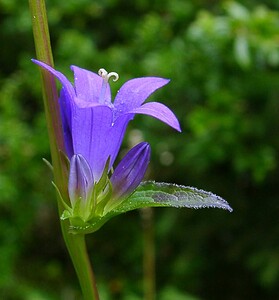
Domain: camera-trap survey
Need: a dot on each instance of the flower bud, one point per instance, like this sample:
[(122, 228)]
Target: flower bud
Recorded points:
[(130, 171), (81, 180)]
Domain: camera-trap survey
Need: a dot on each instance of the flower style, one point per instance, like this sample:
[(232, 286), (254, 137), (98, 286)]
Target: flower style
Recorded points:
[(93, 125)]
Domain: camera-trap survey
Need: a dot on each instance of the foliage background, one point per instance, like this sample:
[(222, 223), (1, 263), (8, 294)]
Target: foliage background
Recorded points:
[(222, 58)]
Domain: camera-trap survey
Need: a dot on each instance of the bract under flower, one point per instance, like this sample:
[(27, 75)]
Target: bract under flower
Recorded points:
[(94, 126)]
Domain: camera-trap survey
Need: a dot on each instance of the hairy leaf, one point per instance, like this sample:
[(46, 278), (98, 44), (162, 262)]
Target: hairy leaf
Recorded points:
[(154, 194), (157, 194)]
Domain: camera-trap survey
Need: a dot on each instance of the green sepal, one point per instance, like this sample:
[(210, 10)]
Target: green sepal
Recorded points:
[(66, 206), (65, 160), (99, 186), (48, 163), (103, 199), (66, 215)]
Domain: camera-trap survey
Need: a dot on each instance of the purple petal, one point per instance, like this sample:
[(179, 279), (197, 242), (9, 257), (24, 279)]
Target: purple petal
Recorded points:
[(66, 103), (116, 135), (62, 78), (88, 86), (80, 179), (66, 115), (130, 171), (134, 92), (158, 111), (89, 126), (85, 104), (96, 137)]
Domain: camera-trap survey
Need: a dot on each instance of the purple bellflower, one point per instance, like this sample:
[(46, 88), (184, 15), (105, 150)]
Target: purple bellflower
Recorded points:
[(94, 128), (93, 125)]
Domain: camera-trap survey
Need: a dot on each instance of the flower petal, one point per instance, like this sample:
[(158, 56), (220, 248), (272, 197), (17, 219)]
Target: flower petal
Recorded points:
[(62, 78), (66, 115), (66, 102), (85, 104), (88, 86), (158, 111), (134, 92), (80, 179), (96, 137), (130, 171)]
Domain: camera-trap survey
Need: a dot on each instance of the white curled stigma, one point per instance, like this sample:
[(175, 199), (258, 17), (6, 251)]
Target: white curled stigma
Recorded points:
[(106, 76)]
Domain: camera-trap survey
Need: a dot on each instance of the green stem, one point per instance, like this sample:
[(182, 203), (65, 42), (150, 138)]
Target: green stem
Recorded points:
[(77, 248), (83, 268), (75, 243)]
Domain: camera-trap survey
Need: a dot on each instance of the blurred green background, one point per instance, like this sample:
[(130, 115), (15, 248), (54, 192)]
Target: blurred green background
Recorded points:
[(222, 58)]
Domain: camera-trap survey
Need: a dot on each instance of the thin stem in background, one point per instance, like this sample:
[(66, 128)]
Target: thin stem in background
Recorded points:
[(75, 243), (149, 273)]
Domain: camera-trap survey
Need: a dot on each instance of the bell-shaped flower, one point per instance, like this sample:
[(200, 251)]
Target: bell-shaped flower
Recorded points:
[(93, 125)]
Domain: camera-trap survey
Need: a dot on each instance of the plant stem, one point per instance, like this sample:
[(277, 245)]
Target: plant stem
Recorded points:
[(77, 248), (83, 269), (75, 243), (148, 254)]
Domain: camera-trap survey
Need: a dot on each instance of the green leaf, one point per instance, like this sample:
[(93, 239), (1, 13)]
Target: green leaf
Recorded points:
[(154, 194)]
